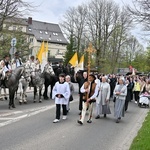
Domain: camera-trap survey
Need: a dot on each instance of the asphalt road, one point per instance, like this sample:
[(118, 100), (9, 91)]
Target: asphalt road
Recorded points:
[(31, 127)]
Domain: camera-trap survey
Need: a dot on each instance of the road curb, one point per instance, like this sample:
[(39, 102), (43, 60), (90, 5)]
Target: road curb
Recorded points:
[(133, 133)]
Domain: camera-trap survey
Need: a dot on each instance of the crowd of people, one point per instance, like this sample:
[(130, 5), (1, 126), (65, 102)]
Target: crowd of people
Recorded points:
[(93, 88), (101, 89)]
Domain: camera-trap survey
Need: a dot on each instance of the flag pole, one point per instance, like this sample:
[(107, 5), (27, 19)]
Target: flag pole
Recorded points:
[(89, 50)]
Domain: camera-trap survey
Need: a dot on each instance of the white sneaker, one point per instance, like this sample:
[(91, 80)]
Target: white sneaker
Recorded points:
[(64, 117), (56, 120), (135, 102)]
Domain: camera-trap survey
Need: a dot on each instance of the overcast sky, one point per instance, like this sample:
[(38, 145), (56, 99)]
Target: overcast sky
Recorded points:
[(52, 11)]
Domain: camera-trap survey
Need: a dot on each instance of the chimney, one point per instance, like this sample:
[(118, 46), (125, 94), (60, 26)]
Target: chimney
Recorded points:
[(30, 20)]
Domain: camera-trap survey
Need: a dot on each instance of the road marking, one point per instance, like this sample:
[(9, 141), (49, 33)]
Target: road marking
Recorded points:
[(28, 114), (11, 113), (6, 118)]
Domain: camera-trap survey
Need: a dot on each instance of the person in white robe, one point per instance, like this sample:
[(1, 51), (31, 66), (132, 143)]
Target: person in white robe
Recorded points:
[(102, 101), (97, 81), (61, 94)]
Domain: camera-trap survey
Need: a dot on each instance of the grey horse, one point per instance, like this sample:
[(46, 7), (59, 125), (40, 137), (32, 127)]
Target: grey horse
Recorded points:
[(12, 84), (37, 81)]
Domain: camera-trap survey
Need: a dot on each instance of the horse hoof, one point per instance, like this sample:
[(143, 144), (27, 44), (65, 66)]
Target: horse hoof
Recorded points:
[(40, 101), (13, 106), (25, 102), (20, 103), (34, 101), (46, 98), (5, 98), (10, 107)]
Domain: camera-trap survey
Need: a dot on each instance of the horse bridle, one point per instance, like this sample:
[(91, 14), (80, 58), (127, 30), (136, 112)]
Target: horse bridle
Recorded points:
[(50, 71)]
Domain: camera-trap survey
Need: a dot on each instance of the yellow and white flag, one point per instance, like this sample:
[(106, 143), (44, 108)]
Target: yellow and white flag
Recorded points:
[(81, 63), (40, 52), (74, 60), (44, 56)]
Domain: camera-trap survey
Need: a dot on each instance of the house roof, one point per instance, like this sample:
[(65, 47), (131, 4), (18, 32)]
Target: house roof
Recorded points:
[(44, 31), (17, 21)]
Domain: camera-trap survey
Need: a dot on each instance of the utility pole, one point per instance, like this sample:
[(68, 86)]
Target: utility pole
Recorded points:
[(13, 48)]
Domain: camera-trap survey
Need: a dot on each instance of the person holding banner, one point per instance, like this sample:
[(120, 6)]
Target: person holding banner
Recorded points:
[(90, 91)]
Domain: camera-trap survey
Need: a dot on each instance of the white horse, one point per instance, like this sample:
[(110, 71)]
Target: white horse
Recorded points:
[(22, 88), (23, 85)]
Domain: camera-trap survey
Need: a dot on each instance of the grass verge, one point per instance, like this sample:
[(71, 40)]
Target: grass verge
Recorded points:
[(142, 140)]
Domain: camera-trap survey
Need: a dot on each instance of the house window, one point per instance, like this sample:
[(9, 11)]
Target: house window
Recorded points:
[(31, 40), (49, 39), (41, 37), (46, 32), (14, 28), (41, 32), (55, 33), (20, 28), (30, 29), (59, 40)]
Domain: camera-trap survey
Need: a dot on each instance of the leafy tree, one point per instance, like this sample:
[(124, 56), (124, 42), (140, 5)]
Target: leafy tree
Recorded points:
[(70, 50), (22, 45)]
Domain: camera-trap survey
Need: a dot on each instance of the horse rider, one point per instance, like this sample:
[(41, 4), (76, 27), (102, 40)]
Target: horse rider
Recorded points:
[(16, 61), (7, 70), (49, 63), (37, 65), (60, 68), (33, 64)]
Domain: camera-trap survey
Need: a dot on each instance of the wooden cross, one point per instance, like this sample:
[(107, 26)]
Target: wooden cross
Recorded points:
[(89, 50)]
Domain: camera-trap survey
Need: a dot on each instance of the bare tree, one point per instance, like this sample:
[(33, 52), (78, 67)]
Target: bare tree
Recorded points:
[(12, 8), (141, 12), (119, 38), (74, 23), (100, 24), (107, 26)]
